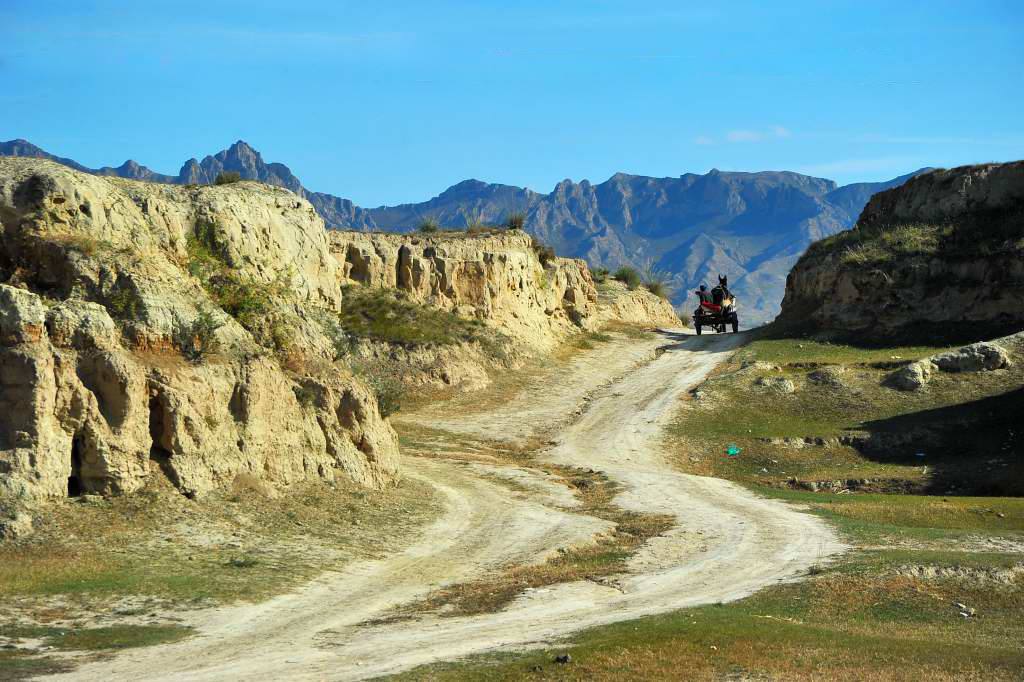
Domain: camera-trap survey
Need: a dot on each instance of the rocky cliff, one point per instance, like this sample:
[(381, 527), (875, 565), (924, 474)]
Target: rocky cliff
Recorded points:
[(150, 328), (939, 258), (495, 277), (206, 332)]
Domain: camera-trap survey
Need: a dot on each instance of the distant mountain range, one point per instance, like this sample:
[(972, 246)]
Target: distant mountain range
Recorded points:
[(751, 226)]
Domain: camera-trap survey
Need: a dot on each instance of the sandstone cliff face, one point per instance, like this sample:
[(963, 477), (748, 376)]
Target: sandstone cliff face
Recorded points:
[(494, 277), (101, 299), (940, 258)]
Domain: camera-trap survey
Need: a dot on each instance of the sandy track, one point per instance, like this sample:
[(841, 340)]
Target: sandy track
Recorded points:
[(727, 544)]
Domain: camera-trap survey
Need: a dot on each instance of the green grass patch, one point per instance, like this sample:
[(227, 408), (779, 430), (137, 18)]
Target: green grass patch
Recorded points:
[(878, 625), (18, 663), (388, 315), (874, 519), (795, 351), (858, 427), (235, 546)]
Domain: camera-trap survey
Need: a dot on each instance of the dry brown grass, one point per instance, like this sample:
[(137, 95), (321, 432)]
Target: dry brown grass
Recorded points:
[(603, 559), (235, 545)]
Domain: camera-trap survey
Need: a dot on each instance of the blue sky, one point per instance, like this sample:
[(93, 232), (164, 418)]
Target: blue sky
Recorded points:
[(386, 102)]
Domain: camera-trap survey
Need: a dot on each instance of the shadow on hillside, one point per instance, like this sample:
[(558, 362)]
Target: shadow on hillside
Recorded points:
[(974, 448), (692, 342), (922, 333)]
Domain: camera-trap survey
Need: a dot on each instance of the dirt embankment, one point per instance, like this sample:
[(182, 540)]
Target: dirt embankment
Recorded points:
[(179, 331), (938, 258)]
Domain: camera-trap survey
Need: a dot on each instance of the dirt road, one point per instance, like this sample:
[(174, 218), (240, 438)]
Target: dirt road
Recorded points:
[(727, 543)]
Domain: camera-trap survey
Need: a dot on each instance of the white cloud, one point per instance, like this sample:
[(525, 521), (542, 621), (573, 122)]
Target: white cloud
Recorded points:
[(703, 139), (779, 131), (744, 136)]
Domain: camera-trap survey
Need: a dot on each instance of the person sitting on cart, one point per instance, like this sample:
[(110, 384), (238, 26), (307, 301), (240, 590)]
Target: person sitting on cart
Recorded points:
[(703, 294)]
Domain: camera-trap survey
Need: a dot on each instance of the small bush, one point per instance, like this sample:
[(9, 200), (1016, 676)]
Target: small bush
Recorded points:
[(656, 281), (227, 177), (545, 253), (428, 226), (243, 562), (201, 337), (515, 221), (124, 303), (600, 275), (305, 394), (628, 276), (389, 392), (474, 223), (658, 288)]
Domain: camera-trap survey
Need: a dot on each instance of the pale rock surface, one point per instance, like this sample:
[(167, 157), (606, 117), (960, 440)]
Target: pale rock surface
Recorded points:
[(495, 278), (912, 377), (99, 303), (976, 357), (95, 403)]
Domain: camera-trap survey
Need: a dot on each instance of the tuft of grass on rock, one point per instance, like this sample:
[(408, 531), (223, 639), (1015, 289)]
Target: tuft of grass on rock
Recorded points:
[(628, 276), (428, 226), (227, 178)]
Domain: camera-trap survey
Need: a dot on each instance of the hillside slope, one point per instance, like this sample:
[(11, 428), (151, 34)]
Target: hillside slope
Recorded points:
[(939, 258)]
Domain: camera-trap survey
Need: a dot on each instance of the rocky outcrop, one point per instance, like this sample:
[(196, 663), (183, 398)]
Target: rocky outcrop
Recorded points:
[(939, 258), (977, 357), (497, 278), (119, 360)]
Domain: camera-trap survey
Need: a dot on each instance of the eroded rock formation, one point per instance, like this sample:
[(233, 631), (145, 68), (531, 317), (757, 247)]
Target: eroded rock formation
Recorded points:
[(193, 331), (940, 258), (102, 301), (495, 277)]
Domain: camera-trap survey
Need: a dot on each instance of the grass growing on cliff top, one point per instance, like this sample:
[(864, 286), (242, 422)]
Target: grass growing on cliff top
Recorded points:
[(904, 244), (388, 315)]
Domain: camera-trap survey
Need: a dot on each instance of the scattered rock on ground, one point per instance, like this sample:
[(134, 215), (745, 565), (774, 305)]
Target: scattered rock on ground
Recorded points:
[(828, 376), (977, 357), (778, 384), (913, 377)]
